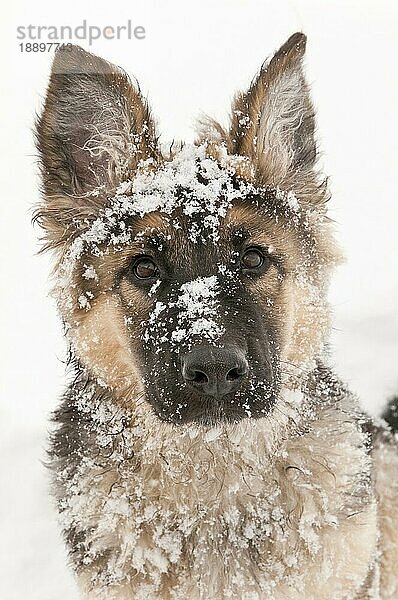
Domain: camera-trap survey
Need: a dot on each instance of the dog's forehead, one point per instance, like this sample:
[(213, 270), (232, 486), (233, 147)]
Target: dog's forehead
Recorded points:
[(159, 230), (192, 193), (194, 198)]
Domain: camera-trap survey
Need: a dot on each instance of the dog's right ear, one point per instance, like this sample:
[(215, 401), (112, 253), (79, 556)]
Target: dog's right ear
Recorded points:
[(94, 130)]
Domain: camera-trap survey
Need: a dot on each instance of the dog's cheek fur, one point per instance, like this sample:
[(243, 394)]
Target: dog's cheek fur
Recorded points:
[(103, 314), (101, 341), (307, 322), (300, 315)]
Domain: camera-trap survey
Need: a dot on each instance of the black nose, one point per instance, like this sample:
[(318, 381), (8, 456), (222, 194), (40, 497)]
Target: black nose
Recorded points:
[(214, 371)]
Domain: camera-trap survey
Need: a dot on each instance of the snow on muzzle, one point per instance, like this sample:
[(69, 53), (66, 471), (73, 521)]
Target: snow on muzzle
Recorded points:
[(191, 326), (201, 362), (191, 316)]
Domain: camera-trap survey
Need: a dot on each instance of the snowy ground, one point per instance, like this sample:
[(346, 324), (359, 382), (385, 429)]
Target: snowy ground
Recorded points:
[(193, 60)]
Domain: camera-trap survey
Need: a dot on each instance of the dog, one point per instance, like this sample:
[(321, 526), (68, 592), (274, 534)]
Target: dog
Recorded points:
[(204, 448)]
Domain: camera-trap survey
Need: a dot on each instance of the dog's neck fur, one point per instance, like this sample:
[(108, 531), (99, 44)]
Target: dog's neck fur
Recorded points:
[(142, 496)]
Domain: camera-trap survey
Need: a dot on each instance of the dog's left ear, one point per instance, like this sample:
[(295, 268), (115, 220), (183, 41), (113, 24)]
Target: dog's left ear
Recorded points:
[(93, 131), (273, 124)]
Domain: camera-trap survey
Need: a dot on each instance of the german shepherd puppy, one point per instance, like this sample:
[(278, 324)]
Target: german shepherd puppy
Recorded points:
[(204, 448)]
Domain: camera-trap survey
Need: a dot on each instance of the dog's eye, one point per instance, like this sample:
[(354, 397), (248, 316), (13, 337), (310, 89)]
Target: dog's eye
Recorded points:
[(253, 259), (144, 268)]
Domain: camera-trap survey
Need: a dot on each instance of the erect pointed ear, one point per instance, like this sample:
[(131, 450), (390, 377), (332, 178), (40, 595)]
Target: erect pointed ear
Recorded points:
[(94, 129), (273, 124)]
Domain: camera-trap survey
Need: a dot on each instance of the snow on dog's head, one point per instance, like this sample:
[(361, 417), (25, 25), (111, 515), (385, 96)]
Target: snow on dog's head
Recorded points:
[(194, 280)]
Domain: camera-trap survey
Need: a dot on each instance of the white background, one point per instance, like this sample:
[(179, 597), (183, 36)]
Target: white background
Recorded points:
[(195, 55)]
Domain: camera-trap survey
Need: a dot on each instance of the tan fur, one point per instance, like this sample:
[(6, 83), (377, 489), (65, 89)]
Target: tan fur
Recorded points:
[(112, 362), (292, 505), (386, 478)]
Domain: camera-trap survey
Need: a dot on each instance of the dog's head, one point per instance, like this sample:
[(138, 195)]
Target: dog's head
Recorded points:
[(195, 281)]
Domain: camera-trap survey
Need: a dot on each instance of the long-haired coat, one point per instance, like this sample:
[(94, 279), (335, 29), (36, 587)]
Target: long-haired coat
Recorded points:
[(204, 449)]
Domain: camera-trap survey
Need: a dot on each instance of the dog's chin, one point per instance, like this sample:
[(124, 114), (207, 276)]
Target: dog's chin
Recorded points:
[(206, 412), (204, 418)]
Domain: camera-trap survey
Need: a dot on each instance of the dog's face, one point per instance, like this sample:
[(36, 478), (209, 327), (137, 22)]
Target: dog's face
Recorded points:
[(194, 283)]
